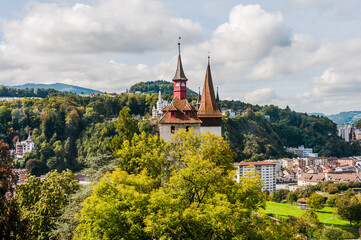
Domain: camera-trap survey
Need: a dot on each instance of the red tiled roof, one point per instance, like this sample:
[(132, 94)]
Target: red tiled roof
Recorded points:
[(254, 163), (180, 106)]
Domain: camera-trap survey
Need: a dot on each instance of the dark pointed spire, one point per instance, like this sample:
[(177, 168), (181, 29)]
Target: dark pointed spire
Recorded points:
[(218, 101), (208, 106), (179, 74)]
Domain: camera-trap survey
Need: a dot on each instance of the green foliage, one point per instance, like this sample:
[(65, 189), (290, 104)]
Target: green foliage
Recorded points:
[(126, 126), (145, 152), (315, 201), (331, 201), (333, 233), (152, 87), (252, 137), (67, 222), (292, 197), (308, 223), (11, 225), (40, 201), (31, 92), (349, 208), (197, 198)]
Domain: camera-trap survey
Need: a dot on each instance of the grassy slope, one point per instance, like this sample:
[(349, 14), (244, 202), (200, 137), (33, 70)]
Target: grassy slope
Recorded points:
[(283, 210)]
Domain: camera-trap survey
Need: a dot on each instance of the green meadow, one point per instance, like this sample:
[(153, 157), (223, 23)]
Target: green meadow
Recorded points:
[(326, 215)]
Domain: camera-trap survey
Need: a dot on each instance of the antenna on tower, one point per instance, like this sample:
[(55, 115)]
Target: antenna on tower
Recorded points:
[(179, 39)]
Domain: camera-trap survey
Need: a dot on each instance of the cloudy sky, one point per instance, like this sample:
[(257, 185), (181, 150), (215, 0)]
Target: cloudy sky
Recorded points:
[(301, 53)]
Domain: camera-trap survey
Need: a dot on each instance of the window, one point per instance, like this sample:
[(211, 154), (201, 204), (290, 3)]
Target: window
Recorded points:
[(177, 84), (172, 129), (183, 84)]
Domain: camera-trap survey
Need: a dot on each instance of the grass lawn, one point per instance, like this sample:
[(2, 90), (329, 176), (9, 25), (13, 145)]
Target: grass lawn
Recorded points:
[(283, 210)]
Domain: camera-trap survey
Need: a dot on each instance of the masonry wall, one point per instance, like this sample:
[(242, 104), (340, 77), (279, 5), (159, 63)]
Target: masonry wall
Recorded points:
[(217, 130), (166, 133)]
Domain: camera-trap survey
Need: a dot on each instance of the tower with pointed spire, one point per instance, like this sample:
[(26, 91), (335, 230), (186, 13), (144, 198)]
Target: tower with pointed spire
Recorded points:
[(179, 114), (209, 112)]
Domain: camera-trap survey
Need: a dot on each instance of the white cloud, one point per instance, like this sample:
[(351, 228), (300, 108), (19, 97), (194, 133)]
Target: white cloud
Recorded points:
[(261, 96), (110, 26)]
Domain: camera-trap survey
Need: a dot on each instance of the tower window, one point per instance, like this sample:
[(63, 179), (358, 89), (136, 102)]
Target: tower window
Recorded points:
[(172, 129), (177, 84), (183, 84)]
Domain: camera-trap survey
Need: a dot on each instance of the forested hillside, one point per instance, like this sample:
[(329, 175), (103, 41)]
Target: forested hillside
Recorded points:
[(32, 92), (68, 131), (154, 86)]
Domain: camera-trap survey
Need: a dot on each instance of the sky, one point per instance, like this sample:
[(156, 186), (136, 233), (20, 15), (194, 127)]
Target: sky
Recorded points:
[(302, 53)]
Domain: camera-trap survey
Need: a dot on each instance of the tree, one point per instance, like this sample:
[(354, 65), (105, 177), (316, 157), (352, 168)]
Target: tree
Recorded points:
[(349, 208), (145, 151), (292, 197), (11, 224), (41, 200), (199, 200), (126, 127), (308, 223), (315, 201)]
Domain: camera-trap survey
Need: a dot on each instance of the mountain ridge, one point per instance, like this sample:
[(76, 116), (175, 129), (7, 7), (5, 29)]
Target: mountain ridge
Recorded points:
[(57, 86)]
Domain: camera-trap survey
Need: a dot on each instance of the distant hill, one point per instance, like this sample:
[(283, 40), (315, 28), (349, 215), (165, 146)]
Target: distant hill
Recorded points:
[(345, 117), (316, 114), (153, 87), (57, 86)]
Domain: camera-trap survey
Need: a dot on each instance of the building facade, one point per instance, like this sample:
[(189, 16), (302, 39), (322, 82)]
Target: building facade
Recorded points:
[(157, 108), (24, 147), (266, 170)]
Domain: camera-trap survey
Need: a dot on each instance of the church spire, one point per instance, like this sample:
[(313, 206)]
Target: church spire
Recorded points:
[(208, 106), (180, 79), (218, 101), (179, 74)]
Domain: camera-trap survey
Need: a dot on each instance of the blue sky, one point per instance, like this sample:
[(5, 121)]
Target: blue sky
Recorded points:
[(301, 53)]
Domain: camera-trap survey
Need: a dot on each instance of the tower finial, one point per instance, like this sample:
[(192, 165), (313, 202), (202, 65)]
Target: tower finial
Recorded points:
[(179, 45), (209, 56)]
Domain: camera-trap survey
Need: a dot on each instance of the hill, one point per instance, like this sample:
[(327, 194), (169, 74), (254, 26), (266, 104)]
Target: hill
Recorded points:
[(153, 87), (345, 117), (57, 86)]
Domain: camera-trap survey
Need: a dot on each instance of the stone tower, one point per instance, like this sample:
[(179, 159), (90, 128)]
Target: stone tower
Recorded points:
[(179, 114)]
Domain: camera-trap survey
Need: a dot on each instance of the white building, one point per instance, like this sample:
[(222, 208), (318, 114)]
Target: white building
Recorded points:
[(24, 147), (346, 132), (301, 151), (267, 171), (157, 109)]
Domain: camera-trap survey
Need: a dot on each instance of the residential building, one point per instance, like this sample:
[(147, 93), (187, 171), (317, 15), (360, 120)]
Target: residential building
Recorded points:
[(21, 175), (24, 147), (314, 178), (301, 151), (267, 171), (347, 132)]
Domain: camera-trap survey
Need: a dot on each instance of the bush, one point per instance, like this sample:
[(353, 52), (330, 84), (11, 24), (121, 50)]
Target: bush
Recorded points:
[(333, 233)]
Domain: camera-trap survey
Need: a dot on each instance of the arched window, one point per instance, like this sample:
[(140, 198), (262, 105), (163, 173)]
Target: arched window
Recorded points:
[(172, 129), (183, 84), (177, 84)]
